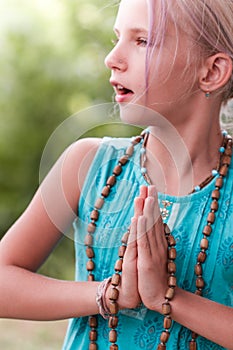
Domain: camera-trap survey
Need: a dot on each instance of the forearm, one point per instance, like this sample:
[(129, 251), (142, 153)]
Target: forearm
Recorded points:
[(28, 295), (207, 318)]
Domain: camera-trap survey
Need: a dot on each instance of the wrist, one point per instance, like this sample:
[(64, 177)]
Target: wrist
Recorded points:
[(102, 298)]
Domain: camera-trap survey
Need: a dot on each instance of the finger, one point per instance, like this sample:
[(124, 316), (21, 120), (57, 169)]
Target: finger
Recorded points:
[(131, 250), (143, 244), (159, 226), (154, 224), (133, 233), (152, 233), (138, 206), (156, 237), (148, 212), (151, 207), (152, 192), (139, 201), (143, 192)]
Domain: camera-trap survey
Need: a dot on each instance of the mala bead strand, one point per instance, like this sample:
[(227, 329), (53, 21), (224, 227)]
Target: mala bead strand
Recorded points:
[(170, 292), (114, 293), (90, 265), (215, 171), (88, 241), (116, 278), (225, 161)]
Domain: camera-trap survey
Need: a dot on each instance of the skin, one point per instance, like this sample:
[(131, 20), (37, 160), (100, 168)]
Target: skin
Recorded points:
[(25, 294)]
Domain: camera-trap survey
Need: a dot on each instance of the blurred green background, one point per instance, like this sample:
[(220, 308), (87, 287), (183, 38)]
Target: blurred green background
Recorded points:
[(51, 66)]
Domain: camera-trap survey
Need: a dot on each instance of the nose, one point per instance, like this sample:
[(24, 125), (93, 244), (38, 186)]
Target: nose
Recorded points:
[(115, 60)]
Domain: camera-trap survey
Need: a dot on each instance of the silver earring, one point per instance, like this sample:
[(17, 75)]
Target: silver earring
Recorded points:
[(207, 94)]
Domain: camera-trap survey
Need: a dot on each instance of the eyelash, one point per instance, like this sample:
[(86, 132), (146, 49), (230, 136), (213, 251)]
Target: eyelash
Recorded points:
[(142, 42), (139, 41)]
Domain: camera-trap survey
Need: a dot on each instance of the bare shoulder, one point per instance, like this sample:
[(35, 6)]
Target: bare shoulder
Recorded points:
[(77, 160), (87, 143), (83, 148), (65, 180)]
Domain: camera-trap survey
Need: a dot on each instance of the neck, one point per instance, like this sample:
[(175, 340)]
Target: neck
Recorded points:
[(184, 154)]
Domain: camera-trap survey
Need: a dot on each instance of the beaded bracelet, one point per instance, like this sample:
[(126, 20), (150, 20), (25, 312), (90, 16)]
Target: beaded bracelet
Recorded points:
[(101, 298)]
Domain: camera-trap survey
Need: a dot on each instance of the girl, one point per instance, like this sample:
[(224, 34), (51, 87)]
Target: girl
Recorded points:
[(169, 255)]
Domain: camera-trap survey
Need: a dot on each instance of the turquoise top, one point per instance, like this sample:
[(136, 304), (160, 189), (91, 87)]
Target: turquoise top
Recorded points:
[(186, 216)]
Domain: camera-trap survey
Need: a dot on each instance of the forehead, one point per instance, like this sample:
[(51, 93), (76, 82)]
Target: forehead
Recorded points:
[(144, 15), (133, 13)]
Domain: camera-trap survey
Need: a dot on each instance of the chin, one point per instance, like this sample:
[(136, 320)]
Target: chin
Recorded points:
[(138, 114)]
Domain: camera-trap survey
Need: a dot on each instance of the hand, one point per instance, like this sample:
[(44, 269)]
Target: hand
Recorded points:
[(151, 250), (129, 295)]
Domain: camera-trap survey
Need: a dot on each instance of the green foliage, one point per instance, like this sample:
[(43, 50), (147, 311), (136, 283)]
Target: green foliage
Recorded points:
[(61, 262), (51, 65)]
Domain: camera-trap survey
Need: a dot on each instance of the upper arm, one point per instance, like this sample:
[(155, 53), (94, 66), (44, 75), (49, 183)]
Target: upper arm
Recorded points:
[(51, 211)]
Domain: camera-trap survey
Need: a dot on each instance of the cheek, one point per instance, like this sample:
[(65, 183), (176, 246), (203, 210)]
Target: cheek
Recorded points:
[(168, 85), (172, 74), (159, 79), (139, 75)]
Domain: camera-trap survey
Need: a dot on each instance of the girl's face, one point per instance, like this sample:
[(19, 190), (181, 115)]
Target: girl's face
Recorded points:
[(167, 86)]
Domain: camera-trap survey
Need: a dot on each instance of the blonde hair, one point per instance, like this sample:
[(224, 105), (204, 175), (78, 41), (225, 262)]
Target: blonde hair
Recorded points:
[(209, 22)]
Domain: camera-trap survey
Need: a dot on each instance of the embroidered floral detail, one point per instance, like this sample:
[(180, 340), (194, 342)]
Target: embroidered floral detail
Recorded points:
[(200, 207), (203, 343), (165, 209), (226, 209), (229, 297), (104, 329), (147, 335), (225, 254), (181, 236), (187, 285), (207, 292), (183, 339)]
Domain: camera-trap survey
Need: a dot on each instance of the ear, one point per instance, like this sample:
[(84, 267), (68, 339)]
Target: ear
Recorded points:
[(215, 72)]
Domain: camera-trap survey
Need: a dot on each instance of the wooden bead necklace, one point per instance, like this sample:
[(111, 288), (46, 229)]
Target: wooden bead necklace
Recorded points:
[(220, 173)]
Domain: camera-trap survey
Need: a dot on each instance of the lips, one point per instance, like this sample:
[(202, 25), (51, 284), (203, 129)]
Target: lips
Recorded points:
[(122, 92)]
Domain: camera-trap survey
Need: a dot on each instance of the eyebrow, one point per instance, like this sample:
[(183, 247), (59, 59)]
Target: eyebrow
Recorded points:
[(135, 30)]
